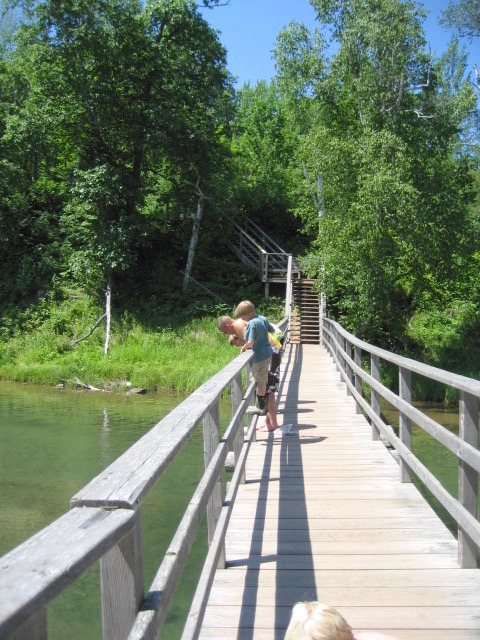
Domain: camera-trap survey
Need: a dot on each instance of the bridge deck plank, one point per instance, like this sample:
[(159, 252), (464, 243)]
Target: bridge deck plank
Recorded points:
[(324, 516)]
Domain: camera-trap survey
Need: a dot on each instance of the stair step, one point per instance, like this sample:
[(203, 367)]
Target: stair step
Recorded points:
[(307, 320)]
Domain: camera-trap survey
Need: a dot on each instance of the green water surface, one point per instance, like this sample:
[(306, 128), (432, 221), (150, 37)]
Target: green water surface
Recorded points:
[(53, 441)]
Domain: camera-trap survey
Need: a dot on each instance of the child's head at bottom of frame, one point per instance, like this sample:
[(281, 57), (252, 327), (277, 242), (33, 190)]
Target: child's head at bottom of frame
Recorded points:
[(317, 621)]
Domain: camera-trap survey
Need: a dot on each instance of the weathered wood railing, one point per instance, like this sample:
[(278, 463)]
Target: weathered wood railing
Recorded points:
[(104, 524), (465, 446), (255, 248)]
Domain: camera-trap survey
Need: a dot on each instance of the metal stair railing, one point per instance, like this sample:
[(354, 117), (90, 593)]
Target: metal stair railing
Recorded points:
[(262, 238), (256, 249)]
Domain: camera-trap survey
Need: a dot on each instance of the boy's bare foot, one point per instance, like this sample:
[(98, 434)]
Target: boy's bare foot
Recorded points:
[(268, 426), (272, 428)]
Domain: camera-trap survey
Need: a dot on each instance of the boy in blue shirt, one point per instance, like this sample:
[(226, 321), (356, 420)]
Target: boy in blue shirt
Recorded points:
[(256, 337)]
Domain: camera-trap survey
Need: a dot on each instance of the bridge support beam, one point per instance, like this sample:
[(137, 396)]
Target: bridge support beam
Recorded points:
[(468, 478), (375, 396), (358, 380), (405, 423), (121, 576)]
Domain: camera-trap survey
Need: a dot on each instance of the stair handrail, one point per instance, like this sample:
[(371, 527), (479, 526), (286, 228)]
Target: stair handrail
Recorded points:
[(263, 235), (270, 262), (251, 240), (282, 262), (260, 249)]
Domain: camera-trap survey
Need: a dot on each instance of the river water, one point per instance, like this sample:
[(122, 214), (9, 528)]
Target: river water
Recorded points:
[(438, 460), (54, 441)]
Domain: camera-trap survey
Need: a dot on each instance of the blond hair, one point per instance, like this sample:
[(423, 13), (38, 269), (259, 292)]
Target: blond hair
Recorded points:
[(317, 621), (245, 309)]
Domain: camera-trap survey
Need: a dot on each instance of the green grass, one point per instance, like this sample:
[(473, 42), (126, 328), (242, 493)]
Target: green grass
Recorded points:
[(180, 357)]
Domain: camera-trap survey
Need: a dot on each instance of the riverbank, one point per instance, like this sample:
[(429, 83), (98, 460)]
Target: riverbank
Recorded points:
[(179, 357)]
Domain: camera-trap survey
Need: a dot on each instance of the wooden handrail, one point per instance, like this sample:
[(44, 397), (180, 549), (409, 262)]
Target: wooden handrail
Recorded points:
[(464, 510), (264, 237), (104, 522), (148, 458), (440, 375), (252, 241), (38, 570)]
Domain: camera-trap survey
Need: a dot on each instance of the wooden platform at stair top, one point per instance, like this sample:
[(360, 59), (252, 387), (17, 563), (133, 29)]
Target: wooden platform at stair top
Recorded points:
[(323, 516)]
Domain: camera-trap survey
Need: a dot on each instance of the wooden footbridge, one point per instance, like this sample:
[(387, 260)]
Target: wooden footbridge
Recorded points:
[(323, 516), (322, 510)]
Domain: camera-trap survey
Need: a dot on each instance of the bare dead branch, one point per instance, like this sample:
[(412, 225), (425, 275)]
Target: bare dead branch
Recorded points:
[(220, 4), (427, 84), (87, 335), (419, 114)]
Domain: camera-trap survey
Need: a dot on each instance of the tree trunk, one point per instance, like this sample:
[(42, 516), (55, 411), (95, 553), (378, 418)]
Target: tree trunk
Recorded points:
[(108, 299), (197, 219)]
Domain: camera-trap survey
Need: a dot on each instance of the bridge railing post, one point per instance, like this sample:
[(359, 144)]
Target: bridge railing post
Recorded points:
[(348, 368), (237, 395), (211, 440), (333, 342), (338, 346), (248, 371), (320, 319), (288, 290), (405, 423), (121, 583), (34, 629), (358, 379), (468, 478), (375, 396)]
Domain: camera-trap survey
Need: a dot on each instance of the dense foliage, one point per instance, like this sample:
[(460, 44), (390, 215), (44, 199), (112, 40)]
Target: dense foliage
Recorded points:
[(396, 246), (112, 113), (362, 155)]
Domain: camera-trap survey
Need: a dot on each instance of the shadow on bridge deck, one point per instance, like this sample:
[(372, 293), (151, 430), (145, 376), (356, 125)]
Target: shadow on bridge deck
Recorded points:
[(324, 516)]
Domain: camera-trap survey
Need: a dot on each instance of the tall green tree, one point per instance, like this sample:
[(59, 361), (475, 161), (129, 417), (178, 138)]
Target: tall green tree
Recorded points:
[(262, 146), (464, 17), (382, 141), (135, 97)]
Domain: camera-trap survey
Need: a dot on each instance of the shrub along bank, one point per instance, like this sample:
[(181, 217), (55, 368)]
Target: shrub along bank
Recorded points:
[(174, 353)]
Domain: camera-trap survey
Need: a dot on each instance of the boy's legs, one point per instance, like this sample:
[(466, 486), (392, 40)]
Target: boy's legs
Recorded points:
[(271, 423), (271, 418), (260, 375)]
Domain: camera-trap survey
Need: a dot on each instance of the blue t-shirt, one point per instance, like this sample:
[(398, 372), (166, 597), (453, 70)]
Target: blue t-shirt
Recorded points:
[(257, 330)]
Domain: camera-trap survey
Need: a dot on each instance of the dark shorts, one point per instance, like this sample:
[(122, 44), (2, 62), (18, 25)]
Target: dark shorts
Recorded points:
[(274, 372)]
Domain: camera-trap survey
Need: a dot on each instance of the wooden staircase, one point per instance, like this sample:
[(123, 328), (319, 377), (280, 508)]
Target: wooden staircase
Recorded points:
[(258, 250), (305, 320)]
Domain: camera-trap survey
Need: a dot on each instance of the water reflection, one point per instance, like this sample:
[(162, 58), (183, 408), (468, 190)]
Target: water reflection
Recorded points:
[(53, 442), (105, 448)]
